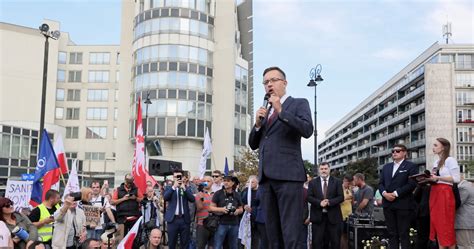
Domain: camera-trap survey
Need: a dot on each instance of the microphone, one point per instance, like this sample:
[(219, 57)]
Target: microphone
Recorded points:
[(266, 104)]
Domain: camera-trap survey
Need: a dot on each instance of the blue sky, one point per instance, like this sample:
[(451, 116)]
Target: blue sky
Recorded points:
[(360, 44)]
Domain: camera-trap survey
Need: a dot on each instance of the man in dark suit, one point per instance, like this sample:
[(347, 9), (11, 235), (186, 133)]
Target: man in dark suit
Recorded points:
[(277, 134), (325, 195), (397, 191), (177, 213)]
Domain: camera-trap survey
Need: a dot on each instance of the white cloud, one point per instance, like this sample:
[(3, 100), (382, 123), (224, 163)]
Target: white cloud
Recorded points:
[(392, 54), (461, 15)]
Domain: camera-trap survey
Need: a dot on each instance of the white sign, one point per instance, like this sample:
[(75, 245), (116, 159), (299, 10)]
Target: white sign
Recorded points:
[(19, 192)]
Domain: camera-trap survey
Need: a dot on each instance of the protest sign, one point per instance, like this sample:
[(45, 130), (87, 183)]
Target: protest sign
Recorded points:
[(92, 215), (19, 192)]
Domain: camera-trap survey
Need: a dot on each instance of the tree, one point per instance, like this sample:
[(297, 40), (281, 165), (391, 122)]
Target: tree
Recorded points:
[(366, 166), (246, 165), (309, 167)]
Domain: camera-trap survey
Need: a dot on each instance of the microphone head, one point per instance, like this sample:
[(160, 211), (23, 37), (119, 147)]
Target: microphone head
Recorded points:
[(267, 96), (427, 172)]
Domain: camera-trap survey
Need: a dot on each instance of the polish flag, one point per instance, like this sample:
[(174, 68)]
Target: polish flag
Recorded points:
[(139, 171), (127, 241), (60, 155)]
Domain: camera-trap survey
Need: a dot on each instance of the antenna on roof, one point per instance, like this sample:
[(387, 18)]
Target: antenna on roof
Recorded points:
[(447, 31)]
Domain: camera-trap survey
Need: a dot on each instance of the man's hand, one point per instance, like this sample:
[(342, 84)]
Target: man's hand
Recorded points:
[(275, 101), (259, 116), (389, 196), (248, 208), (29, 243), (306, 222), (348, 198), (48, 220), (324, 203)]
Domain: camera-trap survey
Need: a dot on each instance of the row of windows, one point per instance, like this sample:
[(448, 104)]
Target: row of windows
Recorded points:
[(200, 5), (172, 66), (92, 95), (95, 58), (173, 52), (92, 132), (172, 12), (174, 25), (179, 108), (465, 79), (240, 121), (94, 76), (240, 137), (464, 97), (173, 80), (174, 94), (92, 113), (464, 134), (174, 126)]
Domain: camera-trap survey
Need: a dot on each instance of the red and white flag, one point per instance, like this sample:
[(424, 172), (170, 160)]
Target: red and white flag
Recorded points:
[(139, 171), (60, 155), (127, 241)]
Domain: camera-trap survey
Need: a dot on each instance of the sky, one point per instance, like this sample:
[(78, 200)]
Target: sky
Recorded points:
[(360, 44)]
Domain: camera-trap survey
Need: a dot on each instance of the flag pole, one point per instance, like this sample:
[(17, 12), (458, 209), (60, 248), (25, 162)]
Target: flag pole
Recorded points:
[(62, 177), (213, 162)]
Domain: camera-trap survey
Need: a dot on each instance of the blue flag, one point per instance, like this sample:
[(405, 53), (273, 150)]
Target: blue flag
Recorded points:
[(46, 162), (226, 167)]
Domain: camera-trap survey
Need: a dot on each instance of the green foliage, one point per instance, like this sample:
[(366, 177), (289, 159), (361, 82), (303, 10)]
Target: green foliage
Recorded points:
[(309, 167), (246, 165), (366, 166)]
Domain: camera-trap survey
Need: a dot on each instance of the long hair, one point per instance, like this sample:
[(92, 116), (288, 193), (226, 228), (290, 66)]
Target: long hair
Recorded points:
[(445, 153), (3, 202)]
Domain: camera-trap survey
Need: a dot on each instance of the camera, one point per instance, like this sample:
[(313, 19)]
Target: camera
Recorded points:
[(76, 195), (230, 207), (201, 186)]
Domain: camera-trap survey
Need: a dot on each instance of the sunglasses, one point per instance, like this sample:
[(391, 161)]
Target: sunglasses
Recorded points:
[(215, 176), (397, 151), (8, 205)]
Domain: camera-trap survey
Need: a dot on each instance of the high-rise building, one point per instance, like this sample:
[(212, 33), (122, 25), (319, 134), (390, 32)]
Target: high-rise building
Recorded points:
[(192, 58), (431, 97)]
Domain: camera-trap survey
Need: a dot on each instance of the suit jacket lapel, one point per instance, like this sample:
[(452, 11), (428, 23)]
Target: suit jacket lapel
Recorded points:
[(285, 105), (318, 187), (401, 167), (388, 174)]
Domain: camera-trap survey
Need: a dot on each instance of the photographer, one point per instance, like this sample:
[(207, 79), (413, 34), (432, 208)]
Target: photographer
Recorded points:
[(203, 202), (69, 227), (177, 213), (127, 198), (228, 204)]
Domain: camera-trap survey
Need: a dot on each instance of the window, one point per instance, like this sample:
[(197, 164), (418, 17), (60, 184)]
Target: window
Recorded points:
[(74, 95), (72, 113), (75, 58), (95, 155), (115, 132), (61, 75), (116, 95), (117, 76), (115, 113), (117, 59), (98, 76), (96, 132), (59, 113), (99, 58), (72, 132), (75, 76), (59, 94), (97, 95), (62, 56), (96, 113)]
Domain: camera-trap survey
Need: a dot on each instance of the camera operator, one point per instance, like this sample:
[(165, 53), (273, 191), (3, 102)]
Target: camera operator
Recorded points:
[(203, 202), (127, 200), (69, 227), (177, 213), (228, 204)]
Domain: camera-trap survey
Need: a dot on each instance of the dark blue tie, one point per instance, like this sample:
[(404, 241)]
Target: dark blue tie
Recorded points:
[(180, 203)]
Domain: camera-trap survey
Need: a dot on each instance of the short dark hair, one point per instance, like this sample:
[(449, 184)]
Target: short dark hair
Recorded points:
[(403, 147), (274, 68), (51, 193), (217, 172), (325, 163), (95, 182), (348, 177), (360, 176), (178, 171), (86, 244)]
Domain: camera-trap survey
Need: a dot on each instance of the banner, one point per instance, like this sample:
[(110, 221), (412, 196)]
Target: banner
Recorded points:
[(92, 215), (19, 192)]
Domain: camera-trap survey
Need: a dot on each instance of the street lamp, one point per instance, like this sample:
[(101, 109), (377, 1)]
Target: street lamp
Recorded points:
[(315, 79), (147, 103), (44, 28)]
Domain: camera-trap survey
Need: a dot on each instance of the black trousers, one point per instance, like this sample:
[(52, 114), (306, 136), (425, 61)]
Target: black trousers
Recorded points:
[(398, 226), (326, 235), (283, 202), (263, 236), (423, 233), (203, 237)]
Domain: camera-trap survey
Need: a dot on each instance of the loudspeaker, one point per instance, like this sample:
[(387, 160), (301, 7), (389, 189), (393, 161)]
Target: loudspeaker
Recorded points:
[(154, 148), (162, 167), (357, 233)]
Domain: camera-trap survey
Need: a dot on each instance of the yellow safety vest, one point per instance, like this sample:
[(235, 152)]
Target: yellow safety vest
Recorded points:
[(46, 231)]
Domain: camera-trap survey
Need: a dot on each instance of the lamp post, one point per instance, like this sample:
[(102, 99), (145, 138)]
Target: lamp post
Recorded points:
[(147, 103), (315, 79), (44, 28)]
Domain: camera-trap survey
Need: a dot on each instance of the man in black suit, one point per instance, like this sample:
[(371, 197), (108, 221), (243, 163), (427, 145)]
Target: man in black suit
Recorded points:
[(281, 170), (397, 191), (325, 195)]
